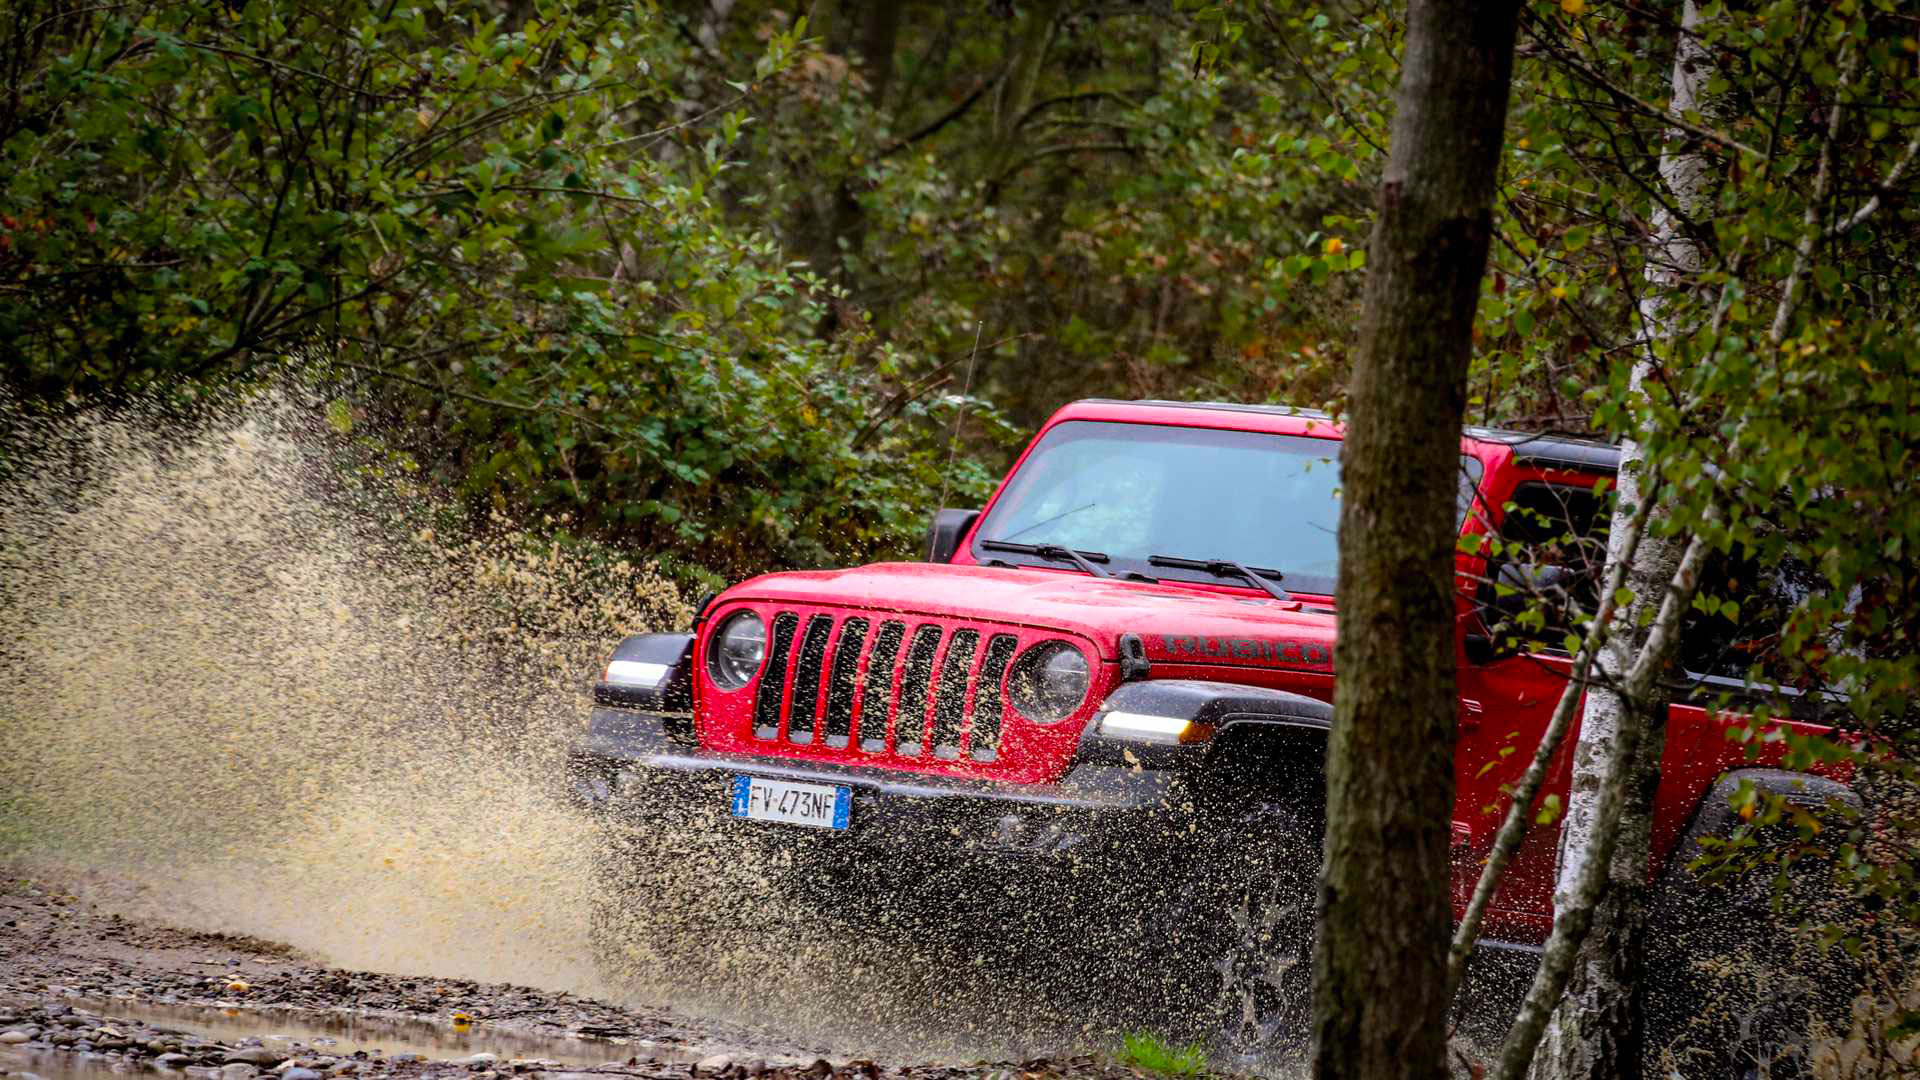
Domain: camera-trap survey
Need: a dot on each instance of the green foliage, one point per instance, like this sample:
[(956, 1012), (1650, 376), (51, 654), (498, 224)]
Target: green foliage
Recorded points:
[(503, 222), (1150, 1053)]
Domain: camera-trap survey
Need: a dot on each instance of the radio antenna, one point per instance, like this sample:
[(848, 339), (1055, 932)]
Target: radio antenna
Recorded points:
[(959, 414)]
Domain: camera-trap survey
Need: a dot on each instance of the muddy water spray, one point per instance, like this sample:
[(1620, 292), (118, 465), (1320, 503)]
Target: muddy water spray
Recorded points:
[(280, 721), (239, 673)]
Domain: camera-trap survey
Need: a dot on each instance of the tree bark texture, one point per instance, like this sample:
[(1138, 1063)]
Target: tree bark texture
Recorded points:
[(1573, 918), (1380, 963), (1596, 1029)]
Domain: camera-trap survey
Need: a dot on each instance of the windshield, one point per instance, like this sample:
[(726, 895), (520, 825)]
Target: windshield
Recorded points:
[(1131, 491)]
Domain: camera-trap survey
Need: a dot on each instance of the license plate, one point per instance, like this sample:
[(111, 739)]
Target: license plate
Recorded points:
[(821, 806)]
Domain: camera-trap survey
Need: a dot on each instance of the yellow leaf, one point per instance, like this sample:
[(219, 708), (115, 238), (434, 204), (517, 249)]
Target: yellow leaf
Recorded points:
[(1573, 7), (1559, 292), (1334, 246)]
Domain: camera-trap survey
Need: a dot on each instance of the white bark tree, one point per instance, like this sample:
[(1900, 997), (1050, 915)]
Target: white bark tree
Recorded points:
[(1584, 996), (1595, 1032)]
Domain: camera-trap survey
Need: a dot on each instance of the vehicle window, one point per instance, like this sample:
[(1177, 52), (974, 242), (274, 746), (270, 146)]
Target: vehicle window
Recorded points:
[(1547, 566), (1134, 490), (1471, 473), (1745, 641)]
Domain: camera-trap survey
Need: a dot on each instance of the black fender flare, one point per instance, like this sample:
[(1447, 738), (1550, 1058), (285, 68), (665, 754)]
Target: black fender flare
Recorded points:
[(1234, 727), (673, 693), (1715, 815)]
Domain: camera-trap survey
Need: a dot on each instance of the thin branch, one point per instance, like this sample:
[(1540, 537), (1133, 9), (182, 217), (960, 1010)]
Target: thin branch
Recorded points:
[(1885, 188), (1810, 232), (671, 128), (918, 389), (1624, 97), (1352, 124), (302, 72), (949, 117), (1572, 920), (1065, 148), (549, 188), (478, 398), (1068, 99)]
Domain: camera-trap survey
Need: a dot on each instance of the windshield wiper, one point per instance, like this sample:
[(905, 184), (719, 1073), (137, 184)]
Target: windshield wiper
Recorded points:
[(1226, 568), (1085, 560)]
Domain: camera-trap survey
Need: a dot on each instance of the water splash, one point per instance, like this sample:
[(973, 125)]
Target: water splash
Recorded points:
[(254, 680), (237, 673)]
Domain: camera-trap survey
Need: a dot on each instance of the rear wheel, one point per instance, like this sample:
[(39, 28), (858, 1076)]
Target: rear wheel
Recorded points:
[(1750, 994)]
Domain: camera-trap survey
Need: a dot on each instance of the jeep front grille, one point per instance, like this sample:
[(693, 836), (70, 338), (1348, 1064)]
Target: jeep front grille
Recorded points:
[(896, 685)]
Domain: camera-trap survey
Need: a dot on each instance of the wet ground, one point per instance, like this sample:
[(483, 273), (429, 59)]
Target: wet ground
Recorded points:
[(85, 992)]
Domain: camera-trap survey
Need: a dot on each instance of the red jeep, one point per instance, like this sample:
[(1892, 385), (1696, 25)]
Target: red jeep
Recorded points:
[(1120, 670)]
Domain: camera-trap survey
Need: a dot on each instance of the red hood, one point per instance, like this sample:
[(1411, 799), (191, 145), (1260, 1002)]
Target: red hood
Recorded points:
[(1178, 625)]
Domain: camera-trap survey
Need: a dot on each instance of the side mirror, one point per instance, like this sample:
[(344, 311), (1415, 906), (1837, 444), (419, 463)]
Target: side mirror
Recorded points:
[(943, 536)]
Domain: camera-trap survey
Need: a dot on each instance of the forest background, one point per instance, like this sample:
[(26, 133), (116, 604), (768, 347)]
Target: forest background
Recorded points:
[(739, 286)]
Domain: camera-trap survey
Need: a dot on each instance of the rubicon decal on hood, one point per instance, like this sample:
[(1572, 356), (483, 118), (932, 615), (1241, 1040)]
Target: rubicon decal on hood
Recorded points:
[(1225, 648)]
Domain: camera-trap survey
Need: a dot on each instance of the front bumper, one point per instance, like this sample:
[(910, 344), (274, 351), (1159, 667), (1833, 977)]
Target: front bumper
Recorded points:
[(628, 763)]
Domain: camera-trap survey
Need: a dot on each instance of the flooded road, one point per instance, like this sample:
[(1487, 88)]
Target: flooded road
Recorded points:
[(340, 1034), (85, 992)]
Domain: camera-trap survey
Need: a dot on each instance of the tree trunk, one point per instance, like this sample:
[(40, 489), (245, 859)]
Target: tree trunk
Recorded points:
[(1596, 1030), (832, 221), (1380, 963), (1014, 96)]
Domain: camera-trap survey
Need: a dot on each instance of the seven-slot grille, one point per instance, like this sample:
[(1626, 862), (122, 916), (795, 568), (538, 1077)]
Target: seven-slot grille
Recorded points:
[(880, 684)]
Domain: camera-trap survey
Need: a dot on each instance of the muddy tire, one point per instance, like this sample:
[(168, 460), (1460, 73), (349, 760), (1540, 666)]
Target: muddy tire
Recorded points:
[(1265, 984), (1746, 996), (1239, 953)]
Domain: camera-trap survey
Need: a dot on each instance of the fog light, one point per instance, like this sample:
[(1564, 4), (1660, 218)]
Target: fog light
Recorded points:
[(636, 673), (1146, 727)]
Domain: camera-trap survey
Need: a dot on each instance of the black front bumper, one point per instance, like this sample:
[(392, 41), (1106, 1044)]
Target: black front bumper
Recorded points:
[(629, 763)]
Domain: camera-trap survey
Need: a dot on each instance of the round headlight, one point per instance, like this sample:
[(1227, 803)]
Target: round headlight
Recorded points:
[(735, 651), (1049, 681)]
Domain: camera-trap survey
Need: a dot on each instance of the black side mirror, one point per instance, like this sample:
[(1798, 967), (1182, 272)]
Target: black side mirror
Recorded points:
[(943, 536)]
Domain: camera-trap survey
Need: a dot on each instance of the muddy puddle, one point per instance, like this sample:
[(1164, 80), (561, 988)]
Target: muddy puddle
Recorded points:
[(301, 1034)]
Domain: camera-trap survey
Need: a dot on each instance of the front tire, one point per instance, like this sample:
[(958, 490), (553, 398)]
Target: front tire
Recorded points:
[(1236, 937)]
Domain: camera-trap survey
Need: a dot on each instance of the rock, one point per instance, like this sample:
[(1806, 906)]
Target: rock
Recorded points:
[(238, 1070), (298, 1073), (476, 1059), (172, 1061), (262, 1056), (16, 1036), (714, 1063), (402, 1059)]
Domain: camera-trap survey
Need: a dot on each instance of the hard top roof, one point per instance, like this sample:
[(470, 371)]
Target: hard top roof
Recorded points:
[(1530, 447)]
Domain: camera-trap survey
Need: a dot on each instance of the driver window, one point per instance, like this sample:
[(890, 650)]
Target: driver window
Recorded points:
[(1545, 569)]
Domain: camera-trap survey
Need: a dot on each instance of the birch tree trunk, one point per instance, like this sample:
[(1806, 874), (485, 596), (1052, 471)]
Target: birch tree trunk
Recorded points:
[(1380, 963), (1596, 1030)]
